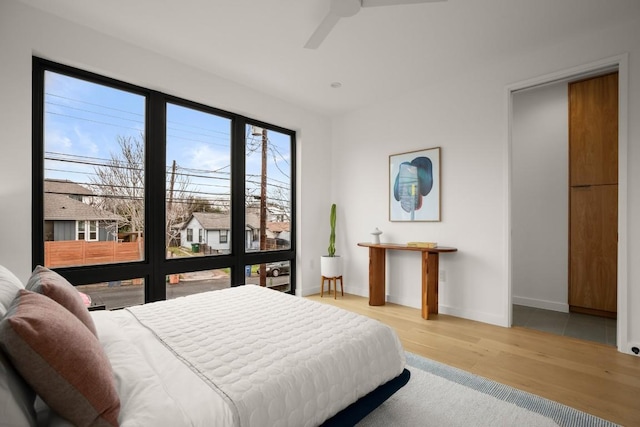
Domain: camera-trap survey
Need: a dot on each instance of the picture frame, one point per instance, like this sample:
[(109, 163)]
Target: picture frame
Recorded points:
[(414, 186)]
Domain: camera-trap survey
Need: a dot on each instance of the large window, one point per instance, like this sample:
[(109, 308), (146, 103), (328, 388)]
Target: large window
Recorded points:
[(123, 175), (268, 194)]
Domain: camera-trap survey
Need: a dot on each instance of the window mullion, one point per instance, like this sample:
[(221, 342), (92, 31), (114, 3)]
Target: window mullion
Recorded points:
[(238, 201), (37, 166), (155, 142)]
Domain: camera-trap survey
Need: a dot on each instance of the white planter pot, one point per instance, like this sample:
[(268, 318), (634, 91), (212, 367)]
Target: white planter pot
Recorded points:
[(330, 266)]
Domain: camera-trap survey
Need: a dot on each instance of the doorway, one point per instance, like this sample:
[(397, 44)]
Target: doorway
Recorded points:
[(539, 210), (574, 325)]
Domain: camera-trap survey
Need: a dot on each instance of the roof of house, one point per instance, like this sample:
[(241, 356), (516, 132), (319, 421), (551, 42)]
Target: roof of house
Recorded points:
[(212, 221), (64, 186), (221, 221), (59, 207)]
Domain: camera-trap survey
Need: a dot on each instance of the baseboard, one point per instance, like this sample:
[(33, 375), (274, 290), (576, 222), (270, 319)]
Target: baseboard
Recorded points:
[(539, 303), (478, 316), (407, 302), (361, 291), (465, 313), (453, 311)]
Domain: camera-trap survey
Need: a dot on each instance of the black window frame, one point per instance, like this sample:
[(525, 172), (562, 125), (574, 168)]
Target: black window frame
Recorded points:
[(155, 267)]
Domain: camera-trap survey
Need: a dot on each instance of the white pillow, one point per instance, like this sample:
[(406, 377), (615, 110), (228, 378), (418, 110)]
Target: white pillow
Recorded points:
[(9, 287), (16, 397)]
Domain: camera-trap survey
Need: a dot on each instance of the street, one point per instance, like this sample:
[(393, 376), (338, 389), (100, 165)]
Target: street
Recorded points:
[(125, 293)]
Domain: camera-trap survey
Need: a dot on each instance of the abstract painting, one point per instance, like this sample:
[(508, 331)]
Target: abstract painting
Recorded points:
[(414, 185)]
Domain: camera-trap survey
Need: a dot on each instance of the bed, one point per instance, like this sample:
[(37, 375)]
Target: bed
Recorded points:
[(244, 356)]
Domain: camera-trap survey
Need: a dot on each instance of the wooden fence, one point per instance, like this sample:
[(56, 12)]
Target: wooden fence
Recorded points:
[(68, 253)]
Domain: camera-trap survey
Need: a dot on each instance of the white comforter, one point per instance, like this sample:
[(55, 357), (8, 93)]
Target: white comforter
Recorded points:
[(245, 356)]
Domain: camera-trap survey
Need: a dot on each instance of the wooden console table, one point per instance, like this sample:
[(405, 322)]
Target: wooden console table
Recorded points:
[(377, 265)]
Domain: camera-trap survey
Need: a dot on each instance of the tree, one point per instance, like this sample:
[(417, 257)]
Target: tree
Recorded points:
[(120, 186)]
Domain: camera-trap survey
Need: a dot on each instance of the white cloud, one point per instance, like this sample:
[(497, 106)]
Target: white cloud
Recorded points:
[(86, 144), (203, 156), (57, 141)]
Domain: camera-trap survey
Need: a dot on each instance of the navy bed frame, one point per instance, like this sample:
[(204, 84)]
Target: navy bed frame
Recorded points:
[(355, 412)]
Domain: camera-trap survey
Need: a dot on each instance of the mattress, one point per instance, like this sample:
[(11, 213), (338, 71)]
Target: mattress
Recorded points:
[(244, 356)]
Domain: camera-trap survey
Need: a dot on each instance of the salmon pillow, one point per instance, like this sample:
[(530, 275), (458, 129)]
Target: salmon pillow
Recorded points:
[(60, 359), (56, 287)]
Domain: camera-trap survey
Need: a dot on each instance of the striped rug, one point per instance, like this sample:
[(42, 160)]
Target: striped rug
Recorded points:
[(440, 395)]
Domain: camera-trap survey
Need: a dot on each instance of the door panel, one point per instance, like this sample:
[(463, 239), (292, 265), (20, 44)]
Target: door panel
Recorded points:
[(593, 131), (593, 247)]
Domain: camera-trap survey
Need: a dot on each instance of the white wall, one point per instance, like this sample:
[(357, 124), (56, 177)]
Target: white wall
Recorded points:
[(454, 114), (25, 32), (466, 113), (539, 197)]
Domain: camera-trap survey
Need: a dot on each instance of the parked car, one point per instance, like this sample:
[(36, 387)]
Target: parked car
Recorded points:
[(275, 269)]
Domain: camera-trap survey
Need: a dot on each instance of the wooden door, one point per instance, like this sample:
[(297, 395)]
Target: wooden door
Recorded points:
[(593, 195), (593, 131), (594, 248)]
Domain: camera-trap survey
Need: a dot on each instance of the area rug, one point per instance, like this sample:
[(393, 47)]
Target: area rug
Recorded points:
[(440, 395)]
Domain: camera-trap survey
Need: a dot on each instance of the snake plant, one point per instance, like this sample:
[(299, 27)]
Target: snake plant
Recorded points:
[(332, 236)]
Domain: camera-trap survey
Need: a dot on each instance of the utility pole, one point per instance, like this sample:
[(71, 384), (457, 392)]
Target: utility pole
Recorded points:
[(172, 182), (169, 212)]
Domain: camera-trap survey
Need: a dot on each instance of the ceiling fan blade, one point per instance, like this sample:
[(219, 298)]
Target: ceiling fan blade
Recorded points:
[(372, 3), (322, 31)]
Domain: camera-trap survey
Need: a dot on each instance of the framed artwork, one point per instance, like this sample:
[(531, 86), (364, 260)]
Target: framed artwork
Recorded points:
[(414, 185)]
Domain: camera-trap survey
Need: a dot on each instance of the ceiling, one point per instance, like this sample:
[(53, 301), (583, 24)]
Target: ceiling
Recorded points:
[(379, 52)]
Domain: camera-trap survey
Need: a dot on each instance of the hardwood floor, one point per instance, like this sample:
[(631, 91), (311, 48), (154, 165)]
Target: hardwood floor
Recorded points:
[(588, 376)]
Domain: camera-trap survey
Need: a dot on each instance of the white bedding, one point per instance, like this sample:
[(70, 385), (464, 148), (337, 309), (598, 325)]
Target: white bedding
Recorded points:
[(155, 388), (245, 356)]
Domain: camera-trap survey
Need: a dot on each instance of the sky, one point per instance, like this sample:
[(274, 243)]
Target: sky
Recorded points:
[(84, 120)]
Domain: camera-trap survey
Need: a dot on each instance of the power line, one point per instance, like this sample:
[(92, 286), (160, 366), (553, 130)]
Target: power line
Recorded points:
[(93, 121), (142, 115), (94, 112), (95, 105), (108, 163)]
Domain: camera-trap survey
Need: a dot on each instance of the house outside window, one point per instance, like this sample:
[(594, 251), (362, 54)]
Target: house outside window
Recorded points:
[(189, 234), (224, 236), (200, 239)]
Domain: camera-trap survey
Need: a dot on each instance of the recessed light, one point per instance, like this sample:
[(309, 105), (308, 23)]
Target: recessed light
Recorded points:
[(336, 85)]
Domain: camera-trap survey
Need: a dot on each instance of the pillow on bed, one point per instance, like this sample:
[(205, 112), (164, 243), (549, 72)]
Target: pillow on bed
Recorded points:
[(9, 287), (56, 287), (61, 359), (16, 397)]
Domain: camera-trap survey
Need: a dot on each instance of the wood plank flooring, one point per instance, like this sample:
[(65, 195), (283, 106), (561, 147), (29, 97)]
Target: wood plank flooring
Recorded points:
[(588, 376)]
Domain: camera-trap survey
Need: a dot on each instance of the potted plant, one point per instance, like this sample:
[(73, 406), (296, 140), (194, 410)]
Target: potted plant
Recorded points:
[(330, 265)]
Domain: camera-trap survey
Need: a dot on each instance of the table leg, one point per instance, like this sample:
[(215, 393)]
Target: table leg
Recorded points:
[(376, 276), (430, 268)]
